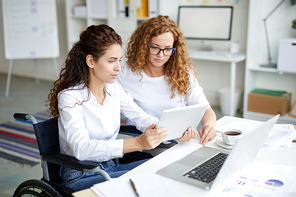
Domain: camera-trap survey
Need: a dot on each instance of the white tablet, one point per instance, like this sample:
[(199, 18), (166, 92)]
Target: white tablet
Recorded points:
[(177, 120)]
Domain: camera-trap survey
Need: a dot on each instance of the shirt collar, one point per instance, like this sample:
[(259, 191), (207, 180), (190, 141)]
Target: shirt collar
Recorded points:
[(109, 89), (84, 91)]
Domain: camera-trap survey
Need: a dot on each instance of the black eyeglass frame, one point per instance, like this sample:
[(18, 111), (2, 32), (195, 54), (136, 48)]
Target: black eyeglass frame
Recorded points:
[(174, 49)]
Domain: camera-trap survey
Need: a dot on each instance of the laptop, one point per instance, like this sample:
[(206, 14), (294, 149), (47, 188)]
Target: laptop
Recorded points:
[(190, 168), (177, 120)]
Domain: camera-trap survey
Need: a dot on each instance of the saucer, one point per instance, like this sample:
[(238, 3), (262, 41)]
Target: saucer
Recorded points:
[(220, 142)]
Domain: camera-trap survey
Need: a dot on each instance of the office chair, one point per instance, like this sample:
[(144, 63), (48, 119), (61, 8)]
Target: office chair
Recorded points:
[(47, 135)]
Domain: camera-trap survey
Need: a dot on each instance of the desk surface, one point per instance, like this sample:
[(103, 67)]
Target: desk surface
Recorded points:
[(221, 56), (281, 156)]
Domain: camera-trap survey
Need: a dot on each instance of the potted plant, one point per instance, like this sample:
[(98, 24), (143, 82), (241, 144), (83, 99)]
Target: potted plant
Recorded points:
[(294, 24)]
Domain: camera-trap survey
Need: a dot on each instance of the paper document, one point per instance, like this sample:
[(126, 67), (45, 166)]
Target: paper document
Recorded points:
[(153, 185), (114, 187), (144, 184), (260, 180), (281, 135)]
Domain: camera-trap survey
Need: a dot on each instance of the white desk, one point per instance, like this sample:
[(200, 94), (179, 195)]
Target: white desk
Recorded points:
[(283, 156), (222, 57)]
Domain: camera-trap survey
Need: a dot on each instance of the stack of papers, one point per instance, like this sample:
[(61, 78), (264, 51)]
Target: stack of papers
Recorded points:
[(143, 184), (281, 135)]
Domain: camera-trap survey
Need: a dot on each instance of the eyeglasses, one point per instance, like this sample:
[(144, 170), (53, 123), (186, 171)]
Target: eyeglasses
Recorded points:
[(156, 50)]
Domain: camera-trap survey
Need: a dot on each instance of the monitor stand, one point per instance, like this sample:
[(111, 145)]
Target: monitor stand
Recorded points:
[(206, 48)]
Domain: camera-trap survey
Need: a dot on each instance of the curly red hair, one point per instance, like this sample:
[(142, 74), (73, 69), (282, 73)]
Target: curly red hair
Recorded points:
[(177, 69)]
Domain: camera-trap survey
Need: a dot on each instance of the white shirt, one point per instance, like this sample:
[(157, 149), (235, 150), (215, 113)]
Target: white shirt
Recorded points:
[(88, 130), (153, 94)]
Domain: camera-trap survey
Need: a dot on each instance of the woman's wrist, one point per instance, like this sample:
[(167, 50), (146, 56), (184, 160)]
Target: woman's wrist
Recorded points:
[(131, 145)]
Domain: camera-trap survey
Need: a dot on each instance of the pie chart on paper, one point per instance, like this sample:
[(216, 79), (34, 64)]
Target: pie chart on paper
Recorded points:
[(274, 183)]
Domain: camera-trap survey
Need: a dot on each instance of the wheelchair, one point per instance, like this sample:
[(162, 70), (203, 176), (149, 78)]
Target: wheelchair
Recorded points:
[(50, 185)]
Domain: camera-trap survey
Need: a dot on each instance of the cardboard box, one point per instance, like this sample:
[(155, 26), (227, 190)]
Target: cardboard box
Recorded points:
[(269, 104)]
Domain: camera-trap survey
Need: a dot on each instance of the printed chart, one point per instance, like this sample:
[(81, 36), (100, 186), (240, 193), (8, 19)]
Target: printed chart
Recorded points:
[(259, 180), (274, 183)]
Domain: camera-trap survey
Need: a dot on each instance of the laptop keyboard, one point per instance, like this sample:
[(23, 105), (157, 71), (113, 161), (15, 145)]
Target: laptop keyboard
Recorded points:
[(207, 171)]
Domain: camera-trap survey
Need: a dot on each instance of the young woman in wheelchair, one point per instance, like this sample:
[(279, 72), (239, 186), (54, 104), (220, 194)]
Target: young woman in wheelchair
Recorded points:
[(88, 101)]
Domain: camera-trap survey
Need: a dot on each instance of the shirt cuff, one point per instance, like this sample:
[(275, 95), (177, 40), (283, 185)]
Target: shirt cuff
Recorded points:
[(116, 148)]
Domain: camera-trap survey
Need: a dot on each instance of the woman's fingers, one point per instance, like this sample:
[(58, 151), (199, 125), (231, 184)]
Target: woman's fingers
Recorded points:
[(189, 134), (207, 133), (153, 137)]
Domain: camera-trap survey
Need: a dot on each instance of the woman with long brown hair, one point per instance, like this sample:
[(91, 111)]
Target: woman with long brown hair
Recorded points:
[(88, 101), (160, 75)]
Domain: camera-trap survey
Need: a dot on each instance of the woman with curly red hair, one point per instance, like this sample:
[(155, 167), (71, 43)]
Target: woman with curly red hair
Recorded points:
[(160, 75), (88, 101)]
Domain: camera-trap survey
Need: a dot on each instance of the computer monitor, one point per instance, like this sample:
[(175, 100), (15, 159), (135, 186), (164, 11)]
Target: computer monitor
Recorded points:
[(206, 22)]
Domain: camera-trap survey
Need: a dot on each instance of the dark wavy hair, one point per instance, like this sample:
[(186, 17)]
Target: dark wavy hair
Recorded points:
[(95, 40), (177, 69)]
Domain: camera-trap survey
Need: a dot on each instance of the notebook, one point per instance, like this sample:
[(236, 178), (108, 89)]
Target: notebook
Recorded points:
[(242, 153), (177, 120)]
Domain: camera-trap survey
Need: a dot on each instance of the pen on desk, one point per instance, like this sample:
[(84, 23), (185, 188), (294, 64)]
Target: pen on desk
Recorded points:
[(134, 187)]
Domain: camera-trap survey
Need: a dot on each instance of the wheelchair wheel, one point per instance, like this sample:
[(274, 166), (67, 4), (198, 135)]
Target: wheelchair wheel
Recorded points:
[(35, 188)]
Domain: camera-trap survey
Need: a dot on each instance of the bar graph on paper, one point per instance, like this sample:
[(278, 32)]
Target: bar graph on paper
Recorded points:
[(240, 182), (250, 187)]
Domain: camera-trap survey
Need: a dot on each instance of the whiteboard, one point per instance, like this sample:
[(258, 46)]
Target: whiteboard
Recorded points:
[(30, 29)]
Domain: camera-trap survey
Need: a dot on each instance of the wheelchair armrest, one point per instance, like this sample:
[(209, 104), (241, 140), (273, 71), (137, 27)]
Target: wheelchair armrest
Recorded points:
[(73, 163), (69, 161), (129, 130)]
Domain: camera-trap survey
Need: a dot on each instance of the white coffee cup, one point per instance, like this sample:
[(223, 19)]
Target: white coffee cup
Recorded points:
[(230, 136)]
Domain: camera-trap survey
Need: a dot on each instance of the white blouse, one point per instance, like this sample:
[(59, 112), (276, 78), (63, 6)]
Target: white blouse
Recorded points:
[(88, 130), (153, 94)]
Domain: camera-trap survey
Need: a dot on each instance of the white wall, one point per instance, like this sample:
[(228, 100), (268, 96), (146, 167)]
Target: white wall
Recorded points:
[(278, 27), (213, 75)]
